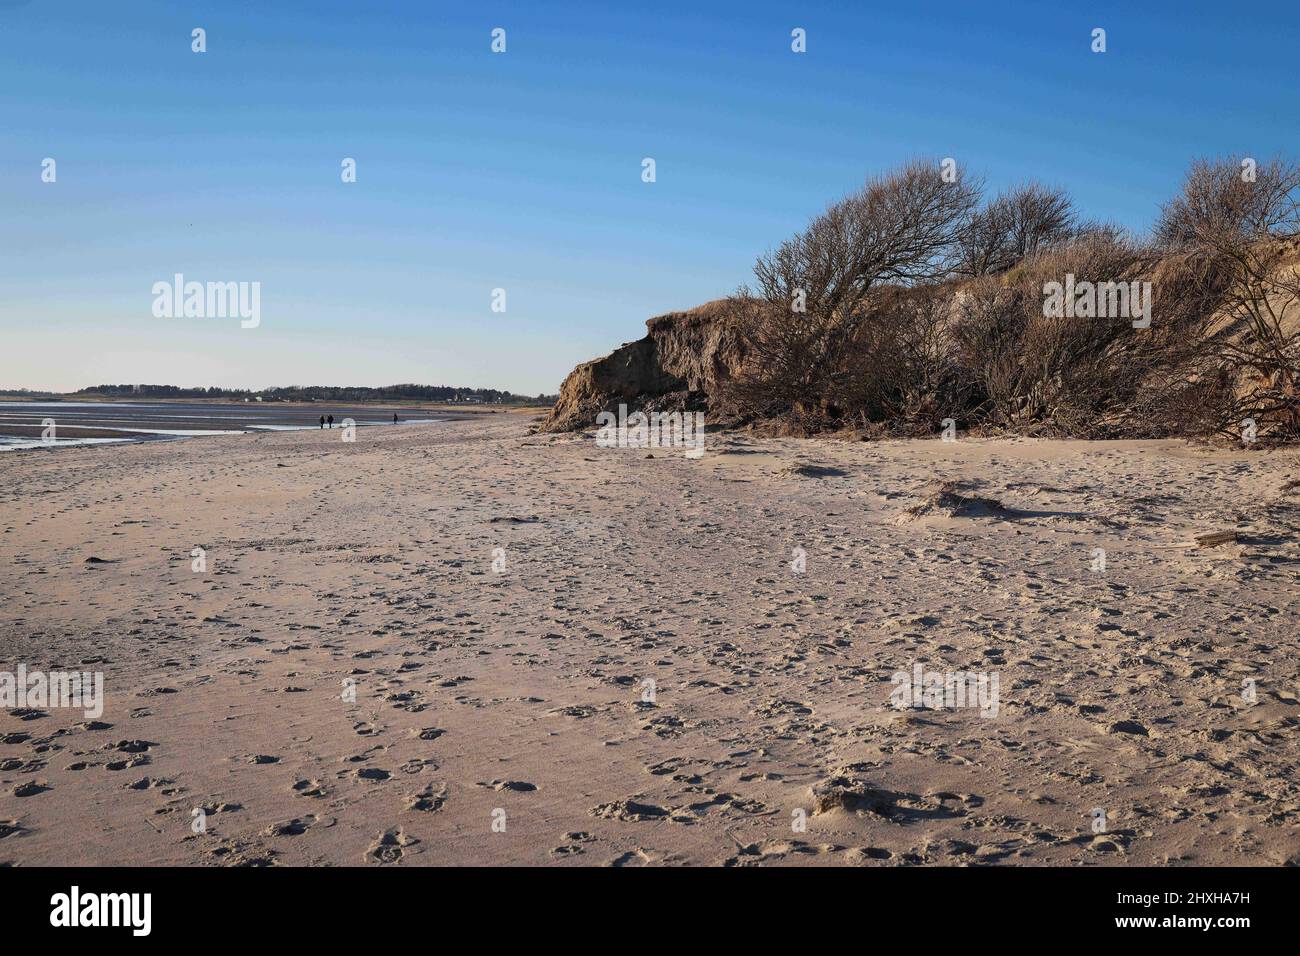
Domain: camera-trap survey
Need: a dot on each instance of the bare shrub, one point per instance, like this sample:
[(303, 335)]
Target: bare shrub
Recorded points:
[(786, 365), (1264, 300), (901, 368), (899, 229), (1018, 223), (1058, 374), (990, 321), (854, 321), (1223, 201), (1245, 222)]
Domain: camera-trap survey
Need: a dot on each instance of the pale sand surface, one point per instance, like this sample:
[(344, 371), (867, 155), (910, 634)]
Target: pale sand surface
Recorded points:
[(521, 691)]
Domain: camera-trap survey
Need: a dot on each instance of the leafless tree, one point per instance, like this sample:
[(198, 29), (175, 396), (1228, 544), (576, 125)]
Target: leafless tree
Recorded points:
[(1016, 224), (1226, 200), (898, 229)]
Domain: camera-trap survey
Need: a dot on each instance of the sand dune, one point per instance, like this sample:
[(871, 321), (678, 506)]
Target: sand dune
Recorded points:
[(564, 654)]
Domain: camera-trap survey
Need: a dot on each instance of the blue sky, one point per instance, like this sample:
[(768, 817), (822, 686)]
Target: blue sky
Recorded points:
[(522, 170)]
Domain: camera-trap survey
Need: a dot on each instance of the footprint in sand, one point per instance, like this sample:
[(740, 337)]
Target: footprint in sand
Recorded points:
[(295, 827), (572, 845), (309, 788), (629, 811), (390, 846), (418, 765), (134, 746), (861, 855), (139, 760), (428, 800), (636, 857)]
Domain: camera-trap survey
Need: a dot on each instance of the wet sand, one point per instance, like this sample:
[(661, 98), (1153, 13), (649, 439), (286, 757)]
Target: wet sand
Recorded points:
[(156, 420)]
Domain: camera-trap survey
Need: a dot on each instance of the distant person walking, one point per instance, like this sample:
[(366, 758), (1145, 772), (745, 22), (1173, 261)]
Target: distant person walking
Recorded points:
[(394, 418), (330, 419), (322, 421)]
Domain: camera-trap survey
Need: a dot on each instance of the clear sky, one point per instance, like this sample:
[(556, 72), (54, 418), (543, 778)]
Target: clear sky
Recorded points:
[(522, 170)]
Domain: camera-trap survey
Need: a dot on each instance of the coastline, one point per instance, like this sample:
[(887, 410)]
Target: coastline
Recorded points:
[(90, 423)]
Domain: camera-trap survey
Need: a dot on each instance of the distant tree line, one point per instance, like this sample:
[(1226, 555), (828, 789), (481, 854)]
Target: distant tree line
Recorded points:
[(329, 393)]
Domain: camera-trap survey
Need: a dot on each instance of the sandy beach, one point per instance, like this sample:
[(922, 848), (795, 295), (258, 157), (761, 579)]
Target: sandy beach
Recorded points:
[(563, 654)]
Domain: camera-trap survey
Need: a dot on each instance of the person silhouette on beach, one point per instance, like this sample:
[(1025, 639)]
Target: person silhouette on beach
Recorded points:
[(394, 418), (322, 421), (330, 419)]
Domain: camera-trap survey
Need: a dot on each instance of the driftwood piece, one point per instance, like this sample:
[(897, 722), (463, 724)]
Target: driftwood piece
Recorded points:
[(1212, 539)]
